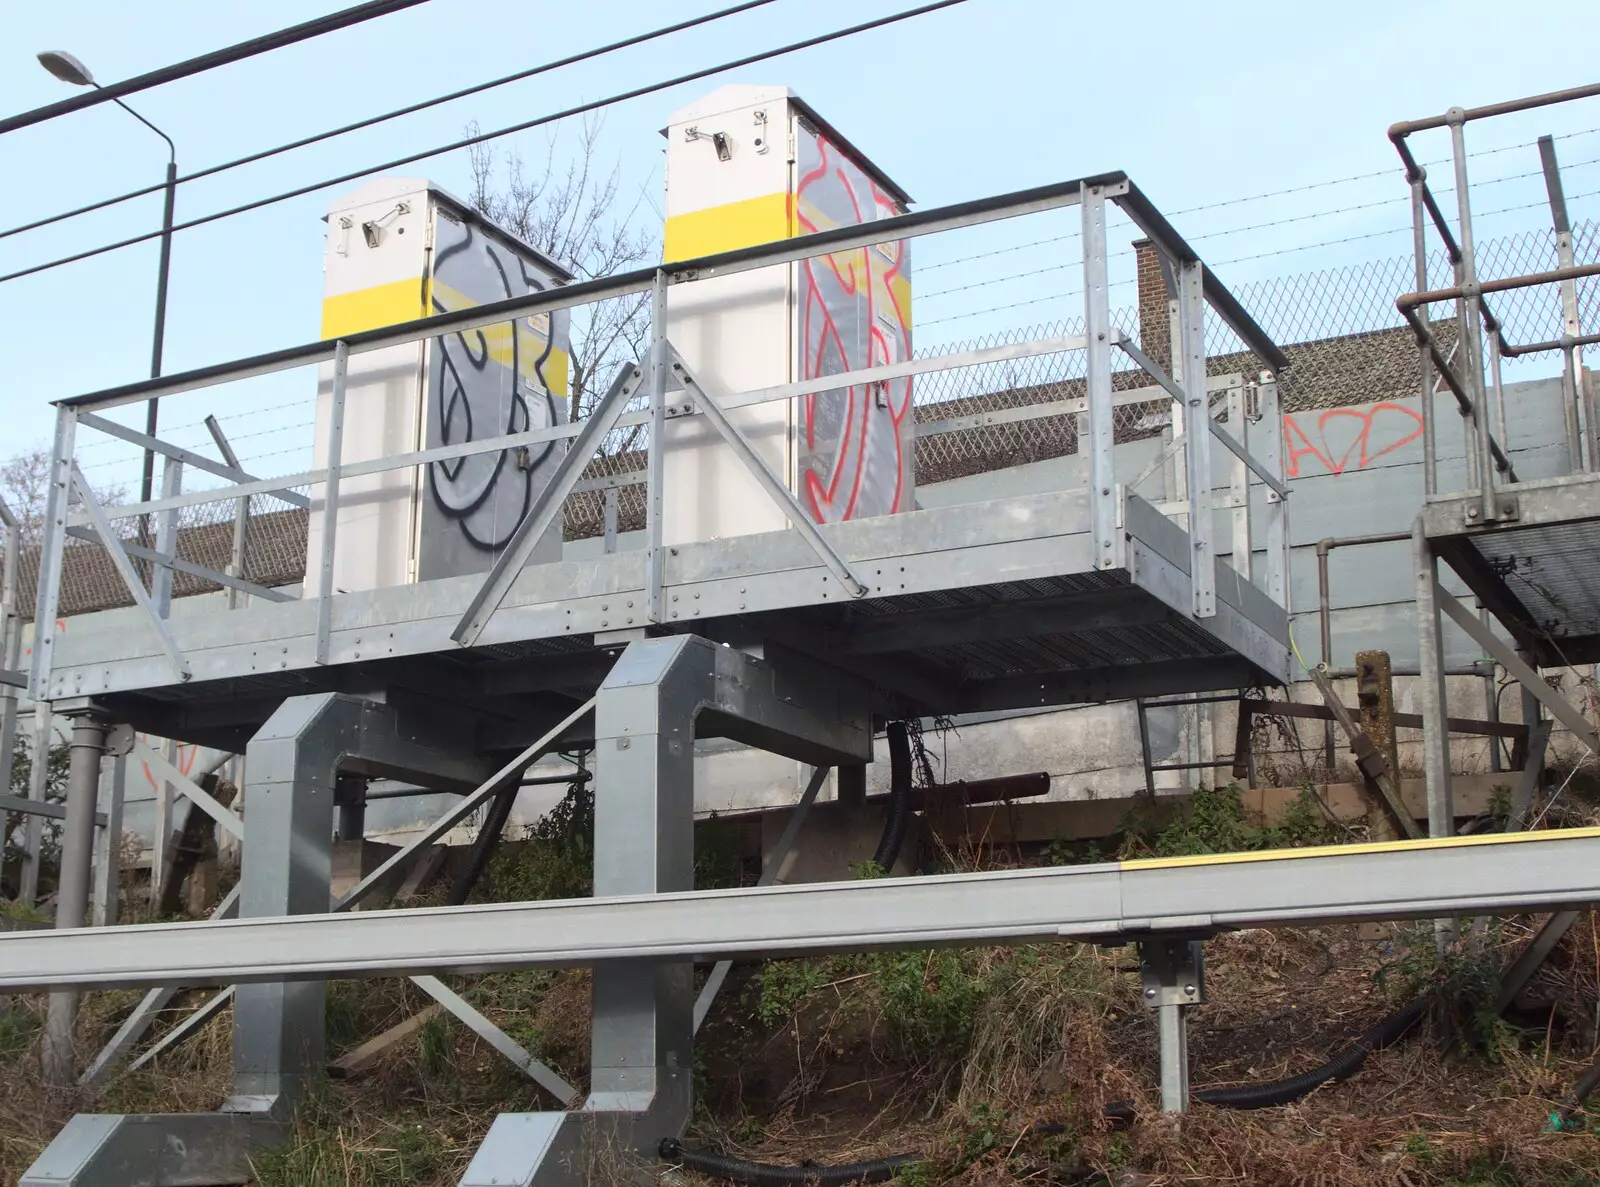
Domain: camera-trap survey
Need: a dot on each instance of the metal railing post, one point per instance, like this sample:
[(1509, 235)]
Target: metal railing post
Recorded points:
[(241, 517), (1239, 483), (330, 501), (166, 539), (1582, 430), (1097, 332), (1419, 233), (1270, 407), (1499, 393), (655, 559), (52, 545), (1197, 439), (1473, 341)]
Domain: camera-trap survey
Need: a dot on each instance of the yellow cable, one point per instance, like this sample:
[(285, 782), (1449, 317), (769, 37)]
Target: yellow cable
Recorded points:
[(1296, 650)]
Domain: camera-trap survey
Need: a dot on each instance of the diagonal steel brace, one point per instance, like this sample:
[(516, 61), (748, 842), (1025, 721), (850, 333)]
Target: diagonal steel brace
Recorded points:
[(706, 402), (1502, 653), (547, 506), (125, 570)]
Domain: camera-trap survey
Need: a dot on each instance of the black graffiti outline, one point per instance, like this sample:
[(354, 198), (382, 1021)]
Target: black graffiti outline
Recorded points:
[(519, 416)]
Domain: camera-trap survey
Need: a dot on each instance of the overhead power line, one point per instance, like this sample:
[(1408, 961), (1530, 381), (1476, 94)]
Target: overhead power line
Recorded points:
[(251, 158), (217, 57), (468, 141)]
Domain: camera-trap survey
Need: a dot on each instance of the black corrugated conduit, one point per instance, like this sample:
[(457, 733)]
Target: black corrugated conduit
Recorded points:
[(1344, 1064), (494, 823), (899, 811), (761, 1174)]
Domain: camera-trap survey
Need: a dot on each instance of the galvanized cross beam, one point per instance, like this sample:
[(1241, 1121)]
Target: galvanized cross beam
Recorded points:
[(1433, 877)]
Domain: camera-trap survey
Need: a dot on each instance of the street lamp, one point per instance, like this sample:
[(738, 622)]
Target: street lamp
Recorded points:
[(70, 70)]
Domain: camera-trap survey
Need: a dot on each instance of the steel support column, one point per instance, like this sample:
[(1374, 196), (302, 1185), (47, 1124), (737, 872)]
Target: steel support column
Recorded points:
[(108, 849), (72, 895), (287, 867), (1172, 976), (660, 694), (1435, 704), (1431, 688)]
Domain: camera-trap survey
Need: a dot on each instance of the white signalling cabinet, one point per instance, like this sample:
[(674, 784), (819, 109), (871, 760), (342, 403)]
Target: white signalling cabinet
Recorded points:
[(748, 165), (397, 250)]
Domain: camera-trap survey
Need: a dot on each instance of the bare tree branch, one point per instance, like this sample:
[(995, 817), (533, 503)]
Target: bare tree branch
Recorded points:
[(571, 212)]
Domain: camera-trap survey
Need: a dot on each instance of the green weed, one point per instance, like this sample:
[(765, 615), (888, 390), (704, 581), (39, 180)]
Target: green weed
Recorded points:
[(557, 861), (717, 862)]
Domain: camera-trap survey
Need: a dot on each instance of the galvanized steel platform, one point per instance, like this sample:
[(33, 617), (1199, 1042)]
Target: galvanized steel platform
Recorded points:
[(983, 606), (1537, 569)]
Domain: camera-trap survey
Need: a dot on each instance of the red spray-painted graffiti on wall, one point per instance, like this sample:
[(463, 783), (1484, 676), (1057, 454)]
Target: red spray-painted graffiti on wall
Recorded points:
[(1344, 439)]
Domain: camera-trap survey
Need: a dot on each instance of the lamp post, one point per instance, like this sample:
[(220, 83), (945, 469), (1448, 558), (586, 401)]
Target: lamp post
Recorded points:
[(70, 70)]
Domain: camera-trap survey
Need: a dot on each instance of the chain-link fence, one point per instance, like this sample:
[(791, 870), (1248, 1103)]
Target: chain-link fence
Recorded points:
[(1344, 338), (1346, 341), (274, 554)]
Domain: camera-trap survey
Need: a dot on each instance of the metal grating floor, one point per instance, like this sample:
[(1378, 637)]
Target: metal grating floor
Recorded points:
[(1553, 571)]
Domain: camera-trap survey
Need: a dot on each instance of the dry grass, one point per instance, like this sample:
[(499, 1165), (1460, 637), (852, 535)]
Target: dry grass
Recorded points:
[(1063, 1036)]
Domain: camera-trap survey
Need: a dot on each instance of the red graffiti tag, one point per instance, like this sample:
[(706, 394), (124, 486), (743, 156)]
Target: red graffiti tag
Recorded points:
[(1349, 438), (184, 760)]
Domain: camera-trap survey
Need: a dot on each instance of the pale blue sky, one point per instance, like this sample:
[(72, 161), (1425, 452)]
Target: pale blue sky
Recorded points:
[(1199, 103)]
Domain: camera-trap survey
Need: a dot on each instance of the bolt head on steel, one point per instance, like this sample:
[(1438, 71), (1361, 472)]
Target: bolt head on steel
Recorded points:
[(66, 67)]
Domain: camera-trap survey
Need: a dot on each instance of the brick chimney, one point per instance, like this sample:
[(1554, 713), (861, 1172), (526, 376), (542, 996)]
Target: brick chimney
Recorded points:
[(1155, 323)]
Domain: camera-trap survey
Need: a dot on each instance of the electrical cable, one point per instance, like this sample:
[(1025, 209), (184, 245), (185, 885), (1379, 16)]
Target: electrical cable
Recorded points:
[(898, 814), (480, 138), (569, 60), (761, 1174), (1344, 1064), (483, 845), (266, 43)]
